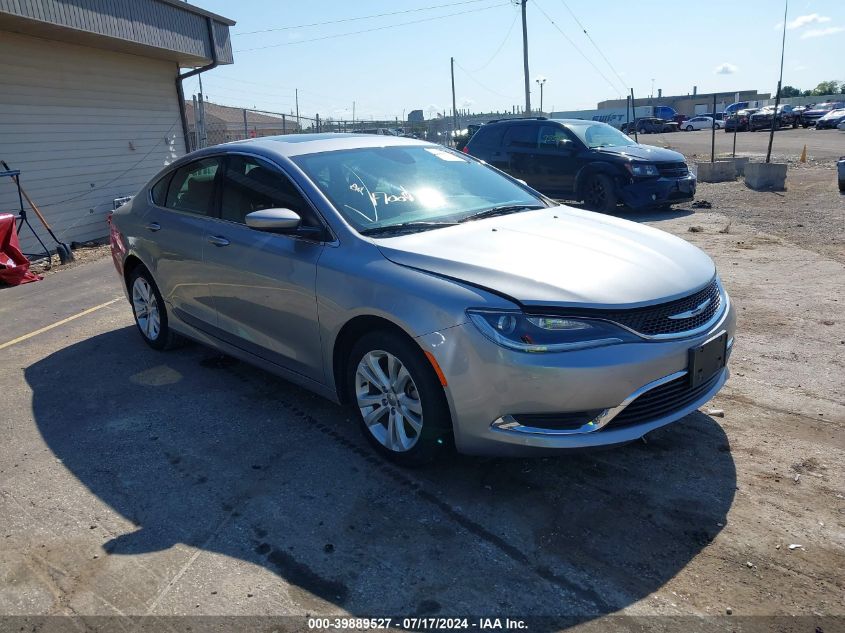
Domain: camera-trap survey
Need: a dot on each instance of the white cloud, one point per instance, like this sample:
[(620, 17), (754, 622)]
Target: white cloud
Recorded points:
[(831, 30), (726, 69), (803, 20)]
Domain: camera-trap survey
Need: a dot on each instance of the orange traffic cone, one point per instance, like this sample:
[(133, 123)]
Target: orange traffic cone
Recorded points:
[(803, 158)]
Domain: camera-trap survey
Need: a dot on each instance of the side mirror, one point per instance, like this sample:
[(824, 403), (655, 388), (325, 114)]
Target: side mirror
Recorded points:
[(273, 220)]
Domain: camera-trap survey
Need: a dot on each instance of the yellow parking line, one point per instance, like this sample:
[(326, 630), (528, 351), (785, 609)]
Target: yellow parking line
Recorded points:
[(47, 328)]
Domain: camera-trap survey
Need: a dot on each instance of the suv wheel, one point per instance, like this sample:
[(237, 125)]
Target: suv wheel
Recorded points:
[(599, 193), (401, 407)]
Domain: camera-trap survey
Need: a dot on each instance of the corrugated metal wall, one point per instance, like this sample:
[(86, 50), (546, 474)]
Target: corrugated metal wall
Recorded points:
[(144, 21), (84, 126)]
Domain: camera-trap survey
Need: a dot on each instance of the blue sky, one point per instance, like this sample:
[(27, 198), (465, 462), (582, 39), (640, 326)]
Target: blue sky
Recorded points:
[(401, 66)]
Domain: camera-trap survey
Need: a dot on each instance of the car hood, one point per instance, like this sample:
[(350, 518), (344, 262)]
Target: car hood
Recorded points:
[(558, 257), (644, 152)]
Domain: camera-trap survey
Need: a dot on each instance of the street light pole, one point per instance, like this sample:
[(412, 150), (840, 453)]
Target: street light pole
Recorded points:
[(541, 81)]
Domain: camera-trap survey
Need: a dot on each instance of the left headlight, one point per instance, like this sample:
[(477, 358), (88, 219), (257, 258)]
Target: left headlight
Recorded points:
[(540, 334), (638, 169)]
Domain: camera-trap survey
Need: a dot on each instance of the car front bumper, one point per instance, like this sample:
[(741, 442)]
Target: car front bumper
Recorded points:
[(658, 191), (487, 385)]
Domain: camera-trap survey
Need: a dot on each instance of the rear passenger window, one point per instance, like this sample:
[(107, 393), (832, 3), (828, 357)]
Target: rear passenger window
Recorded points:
[(159, 190), (490, 137), (524, 136), (192, 187)]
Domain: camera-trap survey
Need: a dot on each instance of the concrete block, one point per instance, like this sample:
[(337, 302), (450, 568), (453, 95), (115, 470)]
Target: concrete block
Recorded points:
[(739, 164), (720, 171), (770, 176)]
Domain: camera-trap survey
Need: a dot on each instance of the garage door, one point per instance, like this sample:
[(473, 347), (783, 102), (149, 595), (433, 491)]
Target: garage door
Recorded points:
[(84, 126)]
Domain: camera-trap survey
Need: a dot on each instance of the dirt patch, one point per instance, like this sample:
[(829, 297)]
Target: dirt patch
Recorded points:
[(82, 254)]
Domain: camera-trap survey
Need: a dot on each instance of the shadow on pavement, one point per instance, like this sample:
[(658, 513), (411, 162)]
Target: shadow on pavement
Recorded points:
[(198, 449)]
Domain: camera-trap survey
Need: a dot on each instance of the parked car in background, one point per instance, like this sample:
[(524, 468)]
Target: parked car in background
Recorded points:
[(702, 123), (831, 120), (742, 105), (584, 160), (653, 125), (719, 116), (762, 119), (738, 121), (810, 116), (445, 302)]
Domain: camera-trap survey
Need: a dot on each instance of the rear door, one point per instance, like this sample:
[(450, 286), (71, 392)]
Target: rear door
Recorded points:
[(173, 232), (264, 283)]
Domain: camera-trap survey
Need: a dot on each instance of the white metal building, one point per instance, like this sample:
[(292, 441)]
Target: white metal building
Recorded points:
[(90, 100)]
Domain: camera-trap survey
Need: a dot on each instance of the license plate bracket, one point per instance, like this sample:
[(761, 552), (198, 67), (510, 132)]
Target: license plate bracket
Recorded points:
[(707, 359)]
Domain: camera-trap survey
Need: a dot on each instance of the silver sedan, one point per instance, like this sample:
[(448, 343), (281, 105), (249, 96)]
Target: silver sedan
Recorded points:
[(448, 303)]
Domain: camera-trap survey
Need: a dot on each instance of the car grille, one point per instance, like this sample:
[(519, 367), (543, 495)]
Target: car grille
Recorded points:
[(673, 170), (662, 401), (655, 320)]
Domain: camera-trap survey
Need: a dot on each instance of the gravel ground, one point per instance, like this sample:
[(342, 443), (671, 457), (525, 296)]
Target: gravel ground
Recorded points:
[(810, 213)]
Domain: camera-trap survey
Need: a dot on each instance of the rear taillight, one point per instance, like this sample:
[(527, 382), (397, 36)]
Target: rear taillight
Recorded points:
[(465, 149)]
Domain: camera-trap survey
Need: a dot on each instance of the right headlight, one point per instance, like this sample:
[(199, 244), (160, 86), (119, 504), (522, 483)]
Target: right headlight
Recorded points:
[(542, 334)]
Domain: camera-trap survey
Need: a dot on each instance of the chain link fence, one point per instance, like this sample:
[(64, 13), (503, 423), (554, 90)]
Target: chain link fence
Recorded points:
[(212, 124)]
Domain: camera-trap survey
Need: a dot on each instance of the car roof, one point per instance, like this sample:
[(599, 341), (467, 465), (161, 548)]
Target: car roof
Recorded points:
[(289, 145)]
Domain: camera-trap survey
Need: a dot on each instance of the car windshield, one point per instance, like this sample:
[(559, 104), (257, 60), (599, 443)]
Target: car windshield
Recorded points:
[(416, 187), (594, 134)]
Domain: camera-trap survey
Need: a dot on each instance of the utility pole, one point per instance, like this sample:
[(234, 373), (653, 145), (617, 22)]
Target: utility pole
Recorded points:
[(541, 81), (353, 116), (525, 58), (454, 110), (296, 93)]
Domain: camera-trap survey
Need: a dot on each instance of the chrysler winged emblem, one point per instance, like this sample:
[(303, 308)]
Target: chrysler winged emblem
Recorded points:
[(694, 312)]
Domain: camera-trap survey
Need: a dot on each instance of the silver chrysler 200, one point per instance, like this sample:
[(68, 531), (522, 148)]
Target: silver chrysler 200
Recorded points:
[(446, 301)]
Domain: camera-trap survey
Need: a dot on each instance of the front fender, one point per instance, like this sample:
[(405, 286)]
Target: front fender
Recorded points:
[(597, 167)]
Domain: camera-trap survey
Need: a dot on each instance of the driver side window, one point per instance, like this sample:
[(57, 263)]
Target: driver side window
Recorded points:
[(251, 184)]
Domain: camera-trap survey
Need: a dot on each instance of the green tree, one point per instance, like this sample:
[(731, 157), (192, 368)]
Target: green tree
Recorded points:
[(826, 88), (789, 91)]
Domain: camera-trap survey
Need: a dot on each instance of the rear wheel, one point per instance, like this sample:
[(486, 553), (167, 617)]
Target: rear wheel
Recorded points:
[(600, 194), (401, 407), (149, 311)]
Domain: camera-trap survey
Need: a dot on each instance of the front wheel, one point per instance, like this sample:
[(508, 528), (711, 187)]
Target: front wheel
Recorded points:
[(149, 311), (600, 194), (401, 405), (688, 128)]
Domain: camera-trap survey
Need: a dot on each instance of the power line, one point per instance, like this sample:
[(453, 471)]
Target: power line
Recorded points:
[(596, 46), (468, 74), (378, 28), (580, 52), (499, 49), (363, 17)]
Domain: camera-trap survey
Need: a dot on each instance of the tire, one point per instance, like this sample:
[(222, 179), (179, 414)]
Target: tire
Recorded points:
[(600, 193), (688, 128), (424, 429), (149, 311), (842, 186)]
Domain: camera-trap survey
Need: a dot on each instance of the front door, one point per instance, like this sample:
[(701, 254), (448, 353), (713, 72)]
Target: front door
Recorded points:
[(263, 283), (557, 160)]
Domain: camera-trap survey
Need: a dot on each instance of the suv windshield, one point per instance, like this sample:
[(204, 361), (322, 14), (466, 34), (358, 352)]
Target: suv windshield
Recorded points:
[(410, 187), (594, 134)]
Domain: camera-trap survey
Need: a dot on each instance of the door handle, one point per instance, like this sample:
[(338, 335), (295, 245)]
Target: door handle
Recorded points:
[(217, 240), (153, 226)]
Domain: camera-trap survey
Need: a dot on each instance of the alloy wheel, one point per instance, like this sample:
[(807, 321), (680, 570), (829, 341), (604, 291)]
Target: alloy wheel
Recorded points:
[(596, 194), (145, 306), (389, 401)]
